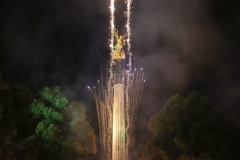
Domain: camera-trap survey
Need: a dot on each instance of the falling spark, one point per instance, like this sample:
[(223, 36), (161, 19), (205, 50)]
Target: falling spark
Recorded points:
[(112, 27), (103, 94), (130, 75), (128, 14)]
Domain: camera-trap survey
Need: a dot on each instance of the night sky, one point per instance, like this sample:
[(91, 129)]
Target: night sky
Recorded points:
[(183, 45)]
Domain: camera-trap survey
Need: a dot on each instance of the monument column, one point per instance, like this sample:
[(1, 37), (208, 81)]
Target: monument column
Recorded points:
[(118, 132)]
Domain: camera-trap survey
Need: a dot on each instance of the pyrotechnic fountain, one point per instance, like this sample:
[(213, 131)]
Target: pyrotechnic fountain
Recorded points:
[(118, 96)]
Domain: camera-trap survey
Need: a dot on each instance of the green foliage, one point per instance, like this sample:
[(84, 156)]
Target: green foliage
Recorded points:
[(189, 128), (50, 108), (62, 126), (38, 109), (47, 127), (54, 97), (46, 131)]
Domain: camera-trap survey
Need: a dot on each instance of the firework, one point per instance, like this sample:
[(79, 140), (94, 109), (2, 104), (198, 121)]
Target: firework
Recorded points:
[(118, 96)]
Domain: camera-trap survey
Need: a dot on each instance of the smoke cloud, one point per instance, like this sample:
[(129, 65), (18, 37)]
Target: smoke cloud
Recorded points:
[(183, 46)]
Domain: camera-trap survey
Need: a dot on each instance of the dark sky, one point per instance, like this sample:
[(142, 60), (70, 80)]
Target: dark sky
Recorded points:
[(183, 45)]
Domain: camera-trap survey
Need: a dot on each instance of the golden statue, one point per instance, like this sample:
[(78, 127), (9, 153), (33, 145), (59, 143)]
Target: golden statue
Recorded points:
[(118, 49)]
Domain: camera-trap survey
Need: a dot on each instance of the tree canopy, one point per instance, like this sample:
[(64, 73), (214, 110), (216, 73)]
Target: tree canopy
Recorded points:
[(45, 127), (61, 126), (189, 128), (14, 117), (50, 109)]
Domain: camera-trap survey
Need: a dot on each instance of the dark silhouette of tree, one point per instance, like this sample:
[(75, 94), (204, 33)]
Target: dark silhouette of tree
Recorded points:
[(190, 129), (16, 123), (7, 125)]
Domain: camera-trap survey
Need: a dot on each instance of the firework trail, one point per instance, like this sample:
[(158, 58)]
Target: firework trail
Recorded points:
[(130, 110), (128, 15), (112, 27), (103, 98)]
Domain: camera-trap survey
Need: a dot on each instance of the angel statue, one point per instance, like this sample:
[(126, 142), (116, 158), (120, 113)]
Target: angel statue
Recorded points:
[(118, 49)]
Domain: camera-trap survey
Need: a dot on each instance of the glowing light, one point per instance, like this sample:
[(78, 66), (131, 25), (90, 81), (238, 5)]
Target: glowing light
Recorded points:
[(104, 98), (128, 14), (116, 133), (112, 26)]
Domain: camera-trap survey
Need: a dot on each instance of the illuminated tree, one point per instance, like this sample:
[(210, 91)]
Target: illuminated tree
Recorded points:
[(50, 109), (62, 131)]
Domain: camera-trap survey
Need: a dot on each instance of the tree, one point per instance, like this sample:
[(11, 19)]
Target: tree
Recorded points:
[(190, 129), (7, 124), (82, 140), (62, 131), (15, 120), (22, 98), (50, 110)]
